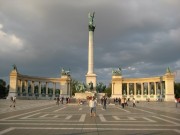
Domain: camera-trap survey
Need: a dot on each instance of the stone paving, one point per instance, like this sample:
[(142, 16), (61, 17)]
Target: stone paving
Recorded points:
[(44, 117)]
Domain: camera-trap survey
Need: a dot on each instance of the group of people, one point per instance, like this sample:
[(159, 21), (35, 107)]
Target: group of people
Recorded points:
[(123, 102), (61, 100), (92, 105)]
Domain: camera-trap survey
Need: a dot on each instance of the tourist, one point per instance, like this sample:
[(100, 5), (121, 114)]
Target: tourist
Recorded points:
[(122, 102), (62, 99), (13, 100), (119, 101), (67, 100), (125, 102), (57, 102), (104, 102), (176, 102), (92, 105), (134, 102)]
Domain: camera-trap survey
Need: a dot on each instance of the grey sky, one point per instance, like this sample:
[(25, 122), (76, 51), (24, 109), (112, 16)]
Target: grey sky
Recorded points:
[(42, 36)]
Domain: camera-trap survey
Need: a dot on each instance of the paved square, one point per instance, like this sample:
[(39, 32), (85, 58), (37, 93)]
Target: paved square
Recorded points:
[(44, 117)]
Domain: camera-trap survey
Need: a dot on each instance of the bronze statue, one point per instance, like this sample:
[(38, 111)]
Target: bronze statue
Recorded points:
[(64, 72), (91, 86), (91, 21), (14, 67), (117, 72)]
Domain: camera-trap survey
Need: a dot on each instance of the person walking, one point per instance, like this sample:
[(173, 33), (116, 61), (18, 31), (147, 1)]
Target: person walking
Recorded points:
[(134, 102), (119, 101), (92, 105), (62, 99), (122, 102), (176, 102), (13, 100), (58, 99), (104, 102)]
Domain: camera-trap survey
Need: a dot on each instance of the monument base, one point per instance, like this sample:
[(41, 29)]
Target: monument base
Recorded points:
[(169, 97), (84, 95), (89, 94), (91, 78)]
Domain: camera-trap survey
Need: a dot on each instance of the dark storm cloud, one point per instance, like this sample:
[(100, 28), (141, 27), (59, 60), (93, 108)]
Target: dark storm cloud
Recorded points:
[(41, 37)]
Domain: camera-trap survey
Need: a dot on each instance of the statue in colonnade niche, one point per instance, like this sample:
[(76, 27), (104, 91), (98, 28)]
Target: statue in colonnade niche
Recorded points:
[(152, 91), (117, 72), (131, 92), (138, 92), (145, 92), (124, 92)]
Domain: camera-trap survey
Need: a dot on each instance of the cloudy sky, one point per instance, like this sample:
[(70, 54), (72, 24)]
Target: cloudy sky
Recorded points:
[(43, 36)]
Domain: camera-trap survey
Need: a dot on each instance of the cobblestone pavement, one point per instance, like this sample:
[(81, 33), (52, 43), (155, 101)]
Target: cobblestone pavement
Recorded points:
[(44, 117)]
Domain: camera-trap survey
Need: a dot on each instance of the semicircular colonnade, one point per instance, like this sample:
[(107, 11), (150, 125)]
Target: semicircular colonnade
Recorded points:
[(31, 87), (151, 88)]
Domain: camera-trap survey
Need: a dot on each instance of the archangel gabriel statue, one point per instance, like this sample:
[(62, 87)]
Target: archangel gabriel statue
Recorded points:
[(91, 21)]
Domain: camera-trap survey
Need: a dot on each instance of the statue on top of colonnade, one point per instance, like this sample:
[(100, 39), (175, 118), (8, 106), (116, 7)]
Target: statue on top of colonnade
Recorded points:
[(65, 72), (14, 67), (168, 70), (117, 72)]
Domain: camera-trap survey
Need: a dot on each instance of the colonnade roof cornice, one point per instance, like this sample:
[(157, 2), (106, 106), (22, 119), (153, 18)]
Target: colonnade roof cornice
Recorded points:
[(139, 80), (38, 79)]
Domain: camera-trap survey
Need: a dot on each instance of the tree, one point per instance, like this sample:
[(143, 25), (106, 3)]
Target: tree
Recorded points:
[(177, 90), (108, 90), (74, 83), (3, 89)]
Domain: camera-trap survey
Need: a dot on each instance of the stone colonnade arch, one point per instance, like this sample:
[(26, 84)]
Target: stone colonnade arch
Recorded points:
[(152, 88), (31, 87)]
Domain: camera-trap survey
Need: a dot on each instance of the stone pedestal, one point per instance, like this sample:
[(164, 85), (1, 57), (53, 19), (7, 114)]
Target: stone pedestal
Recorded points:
[(84, 95), (91, 78), (116, 86)]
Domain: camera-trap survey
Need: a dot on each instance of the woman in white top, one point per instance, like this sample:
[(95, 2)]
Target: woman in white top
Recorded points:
[(92, 105)]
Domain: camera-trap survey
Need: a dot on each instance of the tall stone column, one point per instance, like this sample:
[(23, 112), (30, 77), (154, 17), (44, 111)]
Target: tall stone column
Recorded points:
[(142, 89), (21, 86), (135, 85), (91, 76), (127, 92), (26, 87), (47, 89), (149, 91), (54, 88), (155, 88), (32, 88), (39, 89)]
